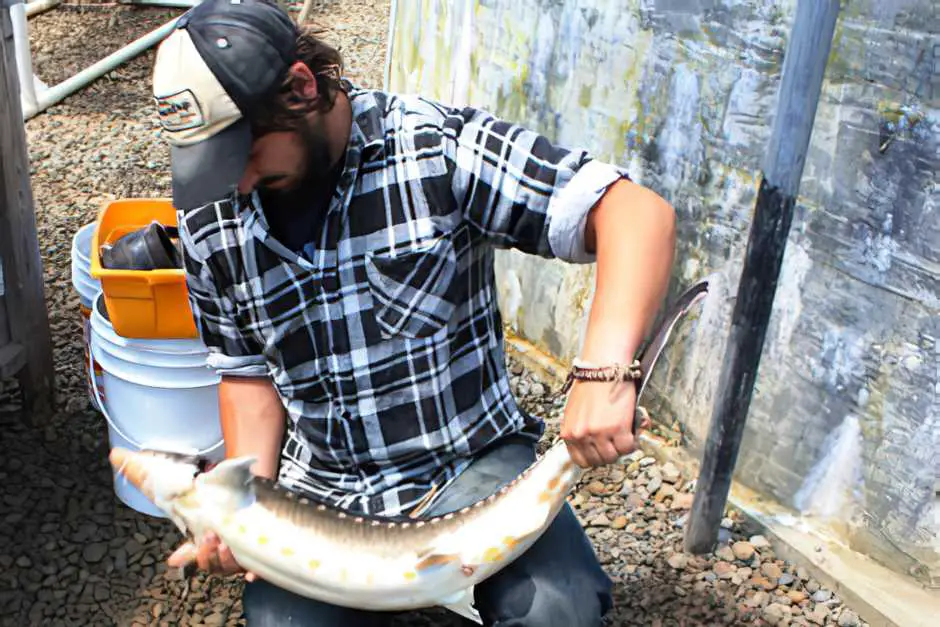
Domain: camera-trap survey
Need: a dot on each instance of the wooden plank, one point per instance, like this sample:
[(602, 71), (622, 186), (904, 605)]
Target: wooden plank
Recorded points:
[(27, 317), (12, 360)]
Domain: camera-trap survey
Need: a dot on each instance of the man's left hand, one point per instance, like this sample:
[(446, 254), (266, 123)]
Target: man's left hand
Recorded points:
[(598, 422)]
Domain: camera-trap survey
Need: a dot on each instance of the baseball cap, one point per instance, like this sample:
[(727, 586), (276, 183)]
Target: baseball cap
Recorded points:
[(223, 59)]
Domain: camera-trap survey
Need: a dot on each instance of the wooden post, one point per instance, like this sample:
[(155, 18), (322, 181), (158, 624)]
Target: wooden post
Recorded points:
[(24, 300), (803, 70)]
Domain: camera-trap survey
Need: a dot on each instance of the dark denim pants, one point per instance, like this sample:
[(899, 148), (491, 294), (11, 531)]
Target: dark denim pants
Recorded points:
[(558, 582)]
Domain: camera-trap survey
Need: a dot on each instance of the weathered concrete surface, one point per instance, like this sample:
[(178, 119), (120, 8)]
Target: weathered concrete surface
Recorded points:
[(845, 421)]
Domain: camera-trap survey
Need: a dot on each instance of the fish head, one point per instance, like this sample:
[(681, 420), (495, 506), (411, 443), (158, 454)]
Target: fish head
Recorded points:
[(166, 479)]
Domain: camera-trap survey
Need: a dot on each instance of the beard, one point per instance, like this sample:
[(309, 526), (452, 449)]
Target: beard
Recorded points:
[(318, 168)]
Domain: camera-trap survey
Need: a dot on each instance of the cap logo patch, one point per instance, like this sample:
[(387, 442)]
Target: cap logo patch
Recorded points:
[(179, 111)]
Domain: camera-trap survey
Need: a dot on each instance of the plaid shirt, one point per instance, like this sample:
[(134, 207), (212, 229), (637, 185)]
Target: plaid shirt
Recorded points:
[(383, 337)]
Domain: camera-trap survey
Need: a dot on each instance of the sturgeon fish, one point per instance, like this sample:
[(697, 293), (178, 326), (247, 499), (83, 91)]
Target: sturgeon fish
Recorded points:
[(364, 561)]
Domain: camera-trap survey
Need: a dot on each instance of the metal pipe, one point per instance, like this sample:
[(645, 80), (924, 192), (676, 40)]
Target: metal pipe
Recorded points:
[(21, 51), (60, 91), (36, 7), (393, 15), (803, 70)]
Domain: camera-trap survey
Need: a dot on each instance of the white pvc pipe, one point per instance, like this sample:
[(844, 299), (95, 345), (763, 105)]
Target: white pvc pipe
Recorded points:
[(24, 58), (389, 47), (38, 6), (58, 92)]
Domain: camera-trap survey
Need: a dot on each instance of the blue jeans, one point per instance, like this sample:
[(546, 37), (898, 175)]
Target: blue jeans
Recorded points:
[(558, 582)]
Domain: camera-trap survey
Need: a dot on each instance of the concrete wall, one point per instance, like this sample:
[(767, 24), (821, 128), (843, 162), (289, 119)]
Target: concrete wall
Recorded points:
[(845, 422)]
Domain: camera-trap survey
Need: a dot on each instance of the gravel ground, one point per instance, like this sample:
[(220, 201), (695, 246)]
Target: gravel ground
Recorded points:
[(70, 554)]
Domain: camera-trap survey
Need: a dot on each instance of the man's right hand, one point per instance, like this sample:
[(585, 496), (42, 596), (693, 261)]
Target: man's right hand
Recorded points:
[(211, 555)]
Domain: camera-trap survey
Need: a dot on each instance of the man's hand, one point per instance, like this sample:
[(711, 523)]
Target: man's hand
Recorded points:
[(211, 556), (598, 422)]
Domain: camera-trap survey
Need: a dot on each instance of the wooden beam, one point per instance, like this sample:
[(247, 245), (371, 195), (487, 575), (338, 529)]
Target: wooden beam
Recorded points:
[(12, 360), (27, 317)]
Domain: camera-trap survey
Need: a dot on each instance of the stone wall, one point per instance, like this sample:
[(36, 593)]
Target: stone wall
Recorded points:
[(845, 420)]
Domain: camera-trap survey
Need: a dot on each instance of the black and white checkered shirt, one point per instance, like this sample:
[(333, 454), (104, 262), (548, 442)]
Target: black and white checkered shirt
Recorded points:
[(383, 337)]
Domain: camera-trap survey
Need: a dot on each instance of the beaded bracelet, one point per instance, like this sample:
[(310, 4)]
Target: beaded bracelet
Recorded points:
[(616, 372)]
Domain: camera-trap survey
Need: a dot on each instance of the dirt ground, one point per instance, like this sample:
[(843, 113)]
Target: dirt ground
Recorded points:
[(71, 554)]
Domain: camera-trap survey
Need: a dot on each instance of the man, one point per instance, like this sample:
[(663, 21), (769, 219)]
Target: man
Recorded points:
[(339, 248)]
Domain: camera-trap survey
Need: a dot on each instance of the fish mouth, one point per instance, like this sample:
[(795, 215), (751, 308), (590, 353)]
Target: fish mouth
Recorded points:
[(160, 476)]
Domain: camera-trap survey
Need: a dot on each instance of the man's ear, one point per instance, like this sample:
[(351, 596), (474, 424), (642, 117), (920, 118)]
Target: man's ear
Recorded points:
[(303, 85)]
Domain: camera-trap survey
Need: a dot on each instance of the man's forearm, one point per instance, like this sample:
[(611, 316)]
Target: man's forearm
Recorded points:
[(252, 419), (632, 232)]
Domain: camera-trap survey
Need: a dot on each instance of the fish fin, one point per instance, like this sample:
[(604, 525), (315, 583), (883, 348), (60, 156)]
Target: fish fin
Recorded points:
[(462, 603), (235, 472)]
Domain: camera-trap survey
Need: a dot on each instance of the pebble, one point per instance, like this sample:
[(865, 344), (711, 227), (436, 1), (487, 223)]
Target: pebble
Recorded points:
[(743, 551), (821, 596), (94, 553)]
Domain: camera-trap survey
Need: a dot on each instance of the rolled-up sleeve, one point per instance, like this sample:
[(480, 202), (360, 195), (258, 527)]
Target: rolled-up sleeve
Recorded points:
[(232, 351), (520, 189)]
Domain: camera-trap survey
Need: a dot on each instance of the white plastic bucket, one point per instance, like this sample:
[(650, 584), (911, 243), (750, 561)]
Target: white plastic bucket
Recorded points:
[(154, 394), (88, 289)]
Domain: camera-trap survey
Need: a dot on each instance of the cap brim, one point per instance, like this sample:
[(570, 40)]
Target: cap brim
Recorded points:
[(210, 170)]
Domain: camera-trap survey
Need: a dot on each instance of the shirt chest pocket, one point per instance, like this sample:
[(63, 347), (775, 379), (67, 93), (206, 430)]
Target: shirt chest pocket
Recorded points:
[(414, 290)]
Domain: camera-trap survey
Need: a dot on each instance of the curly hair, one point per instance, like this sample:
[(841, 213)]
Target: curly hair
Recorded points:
[(282, 113)]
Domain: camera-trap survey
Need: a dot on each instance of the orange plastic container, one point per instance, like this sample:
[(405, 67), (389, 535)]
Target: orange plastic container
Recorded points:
[(150, 304)]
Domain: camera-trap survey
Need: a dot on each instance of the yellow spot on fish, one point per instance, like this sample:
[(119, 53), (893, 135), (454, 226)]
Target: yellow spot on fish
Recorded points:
[(314, 564), (553, 483), (411, 575), (492, 555), (242, 529), (509, 541), (262, 540), (545, 496), (287, 551)]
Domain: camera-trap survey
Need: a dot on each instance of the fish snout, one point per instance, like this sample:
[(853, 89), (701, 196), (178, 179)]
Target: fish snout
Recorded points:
[(158, 475)]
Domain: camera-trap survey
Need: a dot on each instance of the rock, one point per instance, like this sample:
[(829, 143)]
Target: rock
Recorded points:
[(817, 615), (654, 485), (759, 542), (635, 501), (743, 550), (775, 613), (821, 596), (757, 599), (678, 560), (597, 488), (95, 552), (600, 520), (848, 618), (665, 491), (760, 581), (23, 561), (797, 596), (670, 473), (619, 522), (724, 570), (785, 579), (725, 553), (683, 500), (772, 571)]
